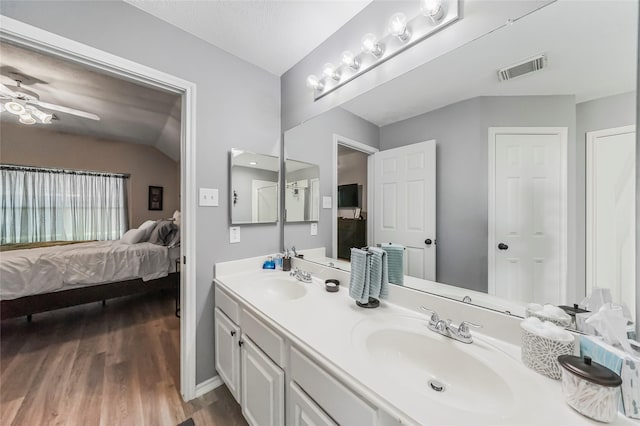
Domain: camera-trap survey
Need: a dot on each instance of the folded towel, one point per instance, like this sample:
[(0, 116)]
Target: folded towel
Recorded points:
[(359, 282), (395, 261), (379, 279)]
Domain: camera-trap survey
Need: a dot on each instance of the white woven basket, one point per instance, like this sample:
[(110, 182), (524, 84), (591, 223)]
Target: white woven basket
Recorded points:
[(541, 354)]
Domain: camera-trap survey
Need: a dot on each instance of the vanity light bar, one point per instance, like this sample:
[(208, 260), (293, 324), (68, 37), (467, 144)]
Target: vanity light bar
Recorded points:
[(403, 33)]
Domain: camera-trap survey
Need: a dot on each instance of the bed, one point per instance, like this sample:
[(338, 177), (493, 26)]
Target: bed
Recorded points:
[(40, 279)]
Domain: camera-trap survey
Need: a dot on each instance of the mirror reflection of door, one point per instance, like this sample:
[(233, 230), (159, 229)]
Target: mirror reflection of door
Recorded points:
[(405, 204), (611, 171), (527, 213), (264, 202)]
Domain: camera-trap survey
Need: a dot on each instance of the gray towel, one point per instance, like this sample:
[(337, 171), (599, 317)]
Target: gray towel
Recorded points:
[(395, 260), (379, 273), (359, 282)]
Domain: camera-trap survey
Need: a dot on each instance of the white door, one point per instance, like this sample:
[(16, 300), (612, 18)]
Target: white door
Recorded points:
[(303, 411), (405, 204), (262, 387), (227, 352), (527, 214), (264, 201), (611, 191)]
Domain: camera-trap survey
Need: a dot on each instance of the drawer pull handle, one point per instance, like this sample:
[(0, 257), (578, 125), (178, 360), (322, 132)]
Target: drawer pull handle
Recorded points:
[(233, 332)]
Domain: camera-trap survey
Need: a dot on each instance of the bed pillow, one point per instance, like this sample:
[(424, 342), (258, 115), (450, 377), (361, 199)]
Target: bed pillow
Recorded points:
[(163, 233), (177, 217), (175, 240), (133, 236), (148, 227)]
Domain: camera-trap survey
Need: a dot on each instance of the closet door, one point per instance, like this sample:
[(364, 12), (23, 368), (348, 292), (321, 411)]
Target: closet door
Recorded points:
[(262, 387), (227, 352)]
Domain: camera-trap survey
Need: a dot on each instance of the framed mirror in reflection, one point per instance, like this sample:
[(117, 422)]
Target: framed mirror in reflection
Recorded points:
[(302, 191), (254, 187), (505, 187)]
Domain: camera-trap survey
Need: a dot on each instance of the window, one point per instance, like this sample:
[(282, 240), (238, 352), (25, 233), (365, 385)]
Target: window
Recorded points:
[(61, 205)]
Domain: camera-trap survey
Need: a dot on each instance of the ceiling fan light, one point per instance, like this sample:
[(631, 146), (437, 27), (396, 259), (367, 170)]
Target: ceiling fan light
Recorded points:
[(27, 119), (41, 115), (15, 108)]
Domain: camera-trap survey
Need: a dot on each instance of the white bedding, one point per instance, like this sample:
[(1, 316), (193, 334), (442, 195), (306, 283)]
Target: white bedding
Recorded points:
[(48, 269)]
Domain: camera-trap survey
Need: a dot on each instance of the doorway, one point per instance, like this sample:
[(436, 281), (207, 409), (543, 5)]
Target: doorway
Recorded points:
[(30, 37), (352, 165), (527, 249)]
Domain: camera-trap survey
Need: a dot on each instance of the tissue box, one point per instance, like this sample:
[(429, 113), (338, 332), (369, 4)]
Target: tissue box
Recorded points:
[(619, 362)]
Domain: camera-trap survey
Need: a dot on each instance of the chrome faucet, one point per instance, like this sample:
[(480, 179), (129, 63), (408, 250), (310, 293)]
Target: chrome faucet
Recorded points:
[(301, 275), (460, 333)]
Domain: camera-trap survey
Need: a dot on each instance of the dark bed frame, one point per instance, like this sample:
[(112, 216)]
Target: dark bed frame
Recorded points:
[(29, 305)]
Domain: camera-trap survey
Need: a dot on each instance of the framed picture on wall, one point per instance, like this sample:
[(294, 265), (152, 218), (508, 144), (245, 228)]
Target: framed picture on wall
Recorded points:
[(155, 197)]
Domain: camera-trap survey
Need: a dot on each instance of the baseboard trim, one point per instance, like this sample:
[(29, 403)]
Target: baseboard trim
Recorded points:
[(208, 385)]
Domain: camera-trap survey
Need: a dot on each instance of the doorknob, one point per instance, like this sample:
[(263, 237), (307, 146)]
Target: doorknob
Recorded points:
[(502, 246), (428, 241)]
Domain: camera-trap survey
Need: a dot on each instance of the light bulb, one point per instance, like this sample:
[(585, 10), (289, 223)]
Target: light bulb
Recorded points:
[(15, 108), (398, 26), (314, 83), (40, 115), (350, 60), (329, 70), (370, 44), (27, 119), (432, 9)]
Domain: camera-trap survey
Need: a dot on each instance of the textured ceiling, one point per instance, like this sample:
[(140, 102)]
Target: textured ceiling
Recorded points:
[(590, 54), (129, 112), (273, 35)]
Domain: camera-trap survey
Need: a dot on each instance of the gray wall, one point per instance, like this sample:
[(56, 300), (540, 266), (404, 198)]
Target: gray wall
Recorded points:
[(230, 94), (479, 18), (242, 179), (312, 142), (461, 132), (604, 113)]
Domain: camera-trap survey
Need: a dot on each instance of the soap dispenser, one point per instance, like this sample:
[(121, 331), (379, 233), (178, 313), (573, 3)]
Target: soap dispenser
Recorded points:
[(269, 264)]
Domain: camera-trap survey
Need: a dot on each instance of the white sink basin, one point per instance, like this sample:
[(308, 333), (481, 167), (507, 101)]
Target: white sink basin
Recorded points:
[(281, 289), (468, 377)]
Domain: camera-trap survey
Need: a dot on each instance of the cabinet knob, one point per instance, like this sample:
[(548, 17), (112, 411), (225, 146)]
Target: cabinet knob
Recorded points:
[(240, 342), (503, 246), (428, 241), (233, 332)]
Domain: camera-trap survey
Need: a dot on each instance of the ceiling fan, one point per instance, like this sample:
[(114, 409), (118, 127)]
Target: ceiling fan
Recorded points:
[(24, 103)]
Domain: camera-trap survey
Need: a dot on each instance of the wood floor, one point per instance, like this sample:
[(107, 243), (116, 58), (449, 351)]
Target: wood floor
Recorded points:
[(94, 365)]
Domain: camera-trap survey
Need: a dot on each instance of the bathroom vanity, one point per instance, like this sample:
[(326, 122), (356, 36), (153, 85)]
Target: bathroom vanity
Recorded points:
[(292, 353)]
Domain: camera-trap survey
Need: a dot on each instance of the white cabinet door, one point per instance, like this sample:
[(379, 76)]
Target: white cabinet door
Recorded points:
[(227, 352), (262, 387), (303, 411), (405, 204)]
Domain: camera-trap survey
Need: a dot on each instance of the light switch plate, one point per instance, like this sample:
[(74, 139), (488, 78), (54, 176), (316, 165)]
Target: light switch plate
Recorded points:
[(234, 234), (314, 229), (326, 202), (208, 197)]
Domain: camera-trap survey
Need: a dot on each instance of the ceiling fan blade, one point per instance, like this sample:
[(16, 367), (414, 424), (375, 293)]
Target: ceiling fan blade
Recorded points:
[(5, 91), (61, 108)]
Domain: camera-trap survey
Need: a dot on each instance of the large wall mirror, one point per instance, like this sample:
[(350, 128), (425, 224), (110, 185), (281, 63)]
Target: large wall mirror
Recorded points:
[(302, 191), (254, 187), (504, 189)]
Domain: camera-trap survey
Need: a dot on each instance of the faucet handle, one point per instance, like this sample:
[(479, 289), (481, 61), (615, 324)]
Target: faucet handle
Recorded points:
[(463, 328), (433, 320)]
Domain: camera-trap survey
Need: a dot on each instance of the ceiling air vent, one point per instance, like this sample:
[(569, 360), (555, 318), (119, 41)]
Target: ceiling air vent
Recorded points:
[(521, 68)]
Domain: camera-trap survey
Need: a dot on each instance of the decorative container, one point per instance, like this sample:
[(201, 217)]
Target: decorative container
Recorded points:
[(541, 353), (557, 321), (590, 388)]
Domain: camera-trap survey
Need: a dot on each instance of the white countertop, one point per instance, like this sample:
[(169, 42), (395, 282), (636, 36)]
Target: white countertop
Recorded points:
[(323, 323)]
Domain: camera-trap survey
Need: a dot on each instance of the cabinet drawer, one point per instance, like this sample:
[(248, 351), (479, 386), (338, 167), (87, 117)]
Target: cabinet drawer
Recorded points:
[(304, 411), (227, 305), (268, 340), (336, 400)]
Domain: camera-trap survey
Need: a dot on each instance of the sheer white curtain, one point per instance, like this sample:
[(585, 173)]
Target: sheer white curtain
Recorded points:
[(51, 204)]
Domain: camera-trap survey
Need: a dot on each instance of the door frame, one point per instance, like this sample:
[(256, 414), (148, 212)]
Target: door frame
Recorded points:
[(590, 265), (35, 38), (358, 146), (562, 132)]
